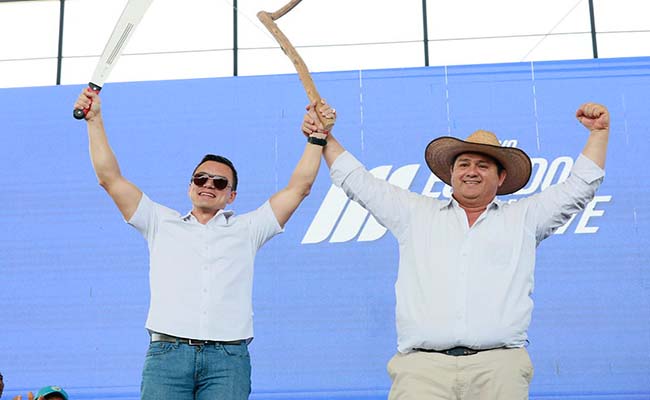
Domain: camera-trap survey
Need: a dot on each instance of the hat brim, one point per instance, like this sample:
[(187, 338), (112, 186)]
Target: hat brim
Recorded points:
[(441, 152), (48, 391)]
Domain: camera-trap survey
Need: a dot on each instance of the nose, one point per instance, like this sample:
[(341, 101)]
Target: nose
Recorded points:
[(472, 171), (208, 184)]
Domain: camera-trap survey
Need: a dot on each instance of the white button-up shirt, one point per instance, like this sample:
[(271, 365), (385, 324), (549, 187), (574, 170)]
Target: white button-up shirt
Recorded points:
[(459, 285), (201, 276)]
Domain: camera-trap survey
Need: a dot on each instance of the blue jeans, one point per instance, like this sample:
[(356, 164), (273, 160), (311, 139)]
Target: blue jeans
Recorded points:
[(179, 371)]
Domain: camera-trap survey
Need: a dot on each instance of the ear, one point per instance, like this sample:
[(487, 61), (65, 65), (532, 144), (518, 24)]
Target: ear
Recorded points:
[(502, 177), (232, 196)]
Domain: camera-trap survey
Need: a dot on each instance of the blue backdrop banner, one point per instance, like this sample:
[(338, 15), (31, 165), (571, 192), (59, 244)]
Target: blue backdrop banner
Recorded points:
[(74, 276)]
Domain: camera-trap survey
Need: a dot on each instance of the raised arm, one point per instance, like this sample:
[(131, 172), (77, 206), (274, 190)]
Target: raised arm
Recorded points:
[(285, 202), (125, 194), (555, 205), (595, 117), (385, 201)]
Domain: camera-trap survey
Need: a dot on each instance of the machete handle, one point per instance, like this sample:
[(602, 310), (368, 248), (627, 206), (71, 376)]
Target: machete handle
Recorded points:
[(79, 113), (303, 73)]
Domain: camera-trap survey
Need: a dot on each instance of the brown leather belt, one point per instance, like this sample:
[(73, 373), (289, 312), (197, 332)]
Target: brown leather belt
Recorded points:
[(458, 351), (161, 337)]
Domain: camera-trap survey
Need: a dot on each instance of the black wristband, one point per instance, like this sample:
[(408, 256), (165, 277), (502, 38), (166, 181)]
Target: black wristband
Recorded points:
[(317, 141)]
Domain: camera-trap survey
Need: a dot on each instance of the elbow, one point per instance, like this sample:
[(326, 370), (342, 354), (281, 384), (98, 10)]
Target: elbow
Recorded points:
[(105, 182), (303, 190), (105, 185)]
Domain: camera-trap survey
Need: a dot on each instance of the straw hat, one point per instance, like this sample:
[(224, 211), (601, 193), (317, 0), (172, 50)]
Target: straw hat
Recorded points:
[(441, 153)]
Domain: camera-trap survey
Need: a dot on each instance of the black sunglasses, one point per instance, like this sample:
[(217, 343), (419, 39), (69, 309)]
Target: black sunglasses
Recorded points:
[(219, 182)]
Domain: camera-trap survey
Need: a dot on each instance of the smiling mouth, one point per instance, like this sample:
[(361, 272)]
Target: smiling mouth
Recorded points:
[(207, 194)]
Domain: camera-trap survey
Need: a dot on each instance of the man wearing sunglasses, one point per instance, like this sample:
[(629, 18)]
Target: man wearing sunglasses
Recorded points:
[(201, 267)]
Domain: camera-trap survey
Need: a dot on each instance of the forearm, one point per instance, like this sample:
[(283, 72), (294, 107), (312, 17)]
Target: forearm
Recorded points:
[(304, 174), (101, 155), (287, 200), (332, 150), (596, 147), (595, 117)]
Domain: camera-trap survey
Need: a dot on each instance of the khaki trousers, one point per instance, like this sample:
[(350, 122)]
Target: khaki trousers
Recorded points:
[(500, 374)]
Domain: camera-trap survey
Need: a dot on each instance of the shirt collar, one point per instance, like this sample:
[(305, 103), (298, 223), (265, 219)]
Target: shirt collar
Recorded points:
[(450, 202), (226, 214)]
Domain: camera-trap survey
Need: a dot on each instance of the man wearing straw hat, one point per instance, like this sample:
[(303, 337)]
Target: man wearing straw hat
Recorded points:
[(466, 264)]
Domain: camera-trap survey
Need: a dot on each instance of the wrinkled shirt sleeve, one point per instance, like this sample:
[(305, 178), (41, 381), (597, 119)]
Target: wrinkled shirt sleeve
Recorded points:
[(388, 203), (554, 206)]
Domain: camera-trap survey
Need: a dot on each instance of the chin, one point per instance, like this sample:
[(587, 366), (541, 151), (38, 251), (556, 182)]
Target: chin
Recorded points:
[(471, 196)]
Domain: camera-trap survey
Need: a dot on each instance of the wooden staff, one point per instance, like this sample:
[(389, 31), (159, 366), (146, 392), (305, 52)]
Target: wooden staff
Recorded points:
[(268, 19)]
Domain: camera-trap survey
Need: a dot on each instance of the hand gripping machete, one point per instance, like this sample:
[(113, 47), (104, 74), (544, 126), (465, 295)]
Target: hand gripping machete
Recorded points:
[(131, 16)]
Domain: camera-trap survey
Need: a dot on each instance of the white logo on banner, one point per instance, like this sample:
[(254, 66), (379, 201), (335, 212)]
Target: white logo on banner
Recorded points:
[(342, 220)]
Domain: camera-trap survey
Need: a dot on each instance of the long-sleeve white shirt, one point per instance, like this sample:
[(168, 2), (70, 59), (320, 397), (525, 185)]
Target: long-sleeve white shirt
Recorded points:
[(459, 285)]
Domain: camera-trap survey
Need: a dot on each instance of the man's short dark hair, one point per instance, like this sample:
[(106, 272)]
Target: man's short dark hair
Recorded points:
[(222, 160)]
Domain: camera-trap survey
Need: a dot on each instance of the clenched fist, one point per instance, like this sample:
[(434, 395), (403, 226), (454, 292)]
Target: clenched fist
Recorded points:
[(593, 116), (89, 100)]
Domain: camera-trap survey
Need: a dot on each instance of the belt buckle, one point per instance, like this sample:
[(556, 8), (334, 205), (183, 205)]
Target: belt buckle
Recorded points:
[(194, 342), (460, 351)]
